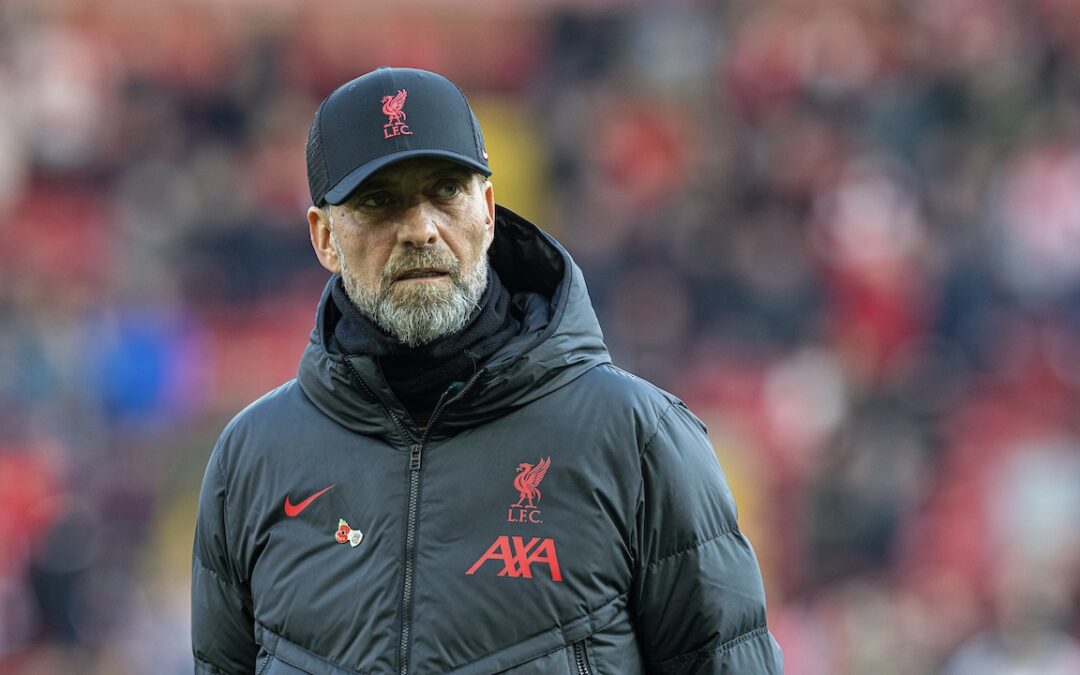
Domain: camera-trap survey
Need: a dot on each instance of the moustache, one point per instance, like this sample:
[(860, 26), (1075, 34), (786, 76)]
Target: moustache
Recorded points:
[(442, 261)]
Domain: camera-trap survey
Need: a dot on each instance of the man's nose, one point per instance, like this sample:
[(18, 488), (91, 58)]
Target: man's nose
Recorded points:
[(418, 226)]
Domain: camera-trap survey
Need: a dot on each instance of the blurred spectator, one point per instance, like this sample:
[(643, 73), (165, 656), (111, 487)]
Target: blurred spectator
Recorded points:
[(847, 232)]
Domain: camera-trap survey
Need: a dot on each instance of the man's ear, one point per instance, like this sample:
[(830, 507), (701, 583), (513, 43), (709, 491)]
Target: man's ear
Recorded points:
[(321, 239), (489, 199)]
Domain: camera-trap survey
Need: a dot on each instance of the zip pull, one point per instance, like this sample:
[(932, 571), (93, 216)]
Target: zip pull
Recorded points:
[(414, 456)]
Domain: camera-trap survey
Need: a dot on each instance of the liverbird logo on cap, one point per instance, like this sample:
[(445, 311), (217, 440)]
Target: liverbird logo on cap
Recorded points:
[(393, 108)]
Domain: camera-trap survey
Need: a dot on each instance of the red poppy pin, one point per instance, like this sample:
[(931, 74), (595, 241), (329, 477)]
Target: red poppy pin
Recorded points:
[(347, 534)]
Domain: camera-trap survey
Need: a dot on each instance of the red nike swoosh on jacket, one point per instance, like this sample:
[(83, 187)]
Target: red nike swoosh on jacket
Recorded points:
[(293, 510)]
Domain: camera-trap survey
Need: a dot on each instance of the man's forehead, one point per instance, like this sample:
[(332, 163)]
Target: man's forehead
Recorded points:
[(417, 167)]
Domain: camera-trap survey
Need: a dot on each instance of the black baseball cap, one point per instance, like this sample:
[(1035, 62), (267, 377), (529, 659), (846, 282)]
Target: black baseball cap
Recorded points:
[(385, 116)]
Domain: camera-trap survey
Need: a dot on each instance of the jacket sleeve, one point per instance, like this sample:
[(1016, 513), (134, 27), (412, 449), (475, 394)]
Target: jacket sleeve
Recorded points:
[(699, 601), (222, 624)]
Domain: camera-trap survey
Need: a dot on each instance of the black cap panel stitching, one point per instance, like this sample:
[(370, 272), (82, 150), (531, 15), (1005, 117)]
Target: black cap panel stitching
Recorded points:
[(318, 172), (477, 147)]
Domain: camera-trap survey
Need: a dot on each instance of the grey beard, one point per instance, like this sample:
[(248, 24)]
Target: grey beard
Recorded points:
[(428, 312)]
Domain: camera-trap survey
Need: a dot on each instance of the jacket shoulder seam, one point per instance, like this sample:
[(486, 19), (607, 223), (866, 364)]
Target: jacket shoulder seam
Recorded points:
[(224, 506), (656, 431), (752, 634), (693, 547), (215, 457), (641, 468)]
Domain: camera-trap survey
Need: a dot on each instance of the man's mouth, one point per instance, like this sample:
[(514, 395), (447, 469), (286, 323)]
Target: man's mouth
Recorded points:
[(421, 273)]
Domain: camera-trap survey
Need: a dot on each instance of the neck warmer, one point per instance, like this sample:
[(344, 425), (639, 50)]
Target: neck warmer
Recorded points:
[(419, 376)]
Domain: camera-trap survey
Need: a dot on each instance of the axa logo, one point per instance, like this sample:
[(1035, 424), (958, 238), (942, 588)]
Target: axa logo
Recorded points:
[(527, 483), (394, 108), (518, 557)]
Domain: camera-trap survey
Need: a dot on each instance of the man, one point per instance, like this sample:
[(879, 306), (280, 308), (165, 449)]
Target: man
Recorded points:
[(458, 480)]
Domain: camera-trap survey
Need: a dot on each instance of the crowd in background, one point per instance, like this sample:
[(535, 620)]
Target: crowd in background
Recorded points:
[(845, 232)]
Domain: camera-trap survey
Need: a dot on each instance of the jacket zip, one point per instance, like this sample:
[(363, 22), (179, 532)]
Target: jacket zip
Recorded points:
[(390, 413), (265, 663), (581, 659), (415, 454), (415, 451)]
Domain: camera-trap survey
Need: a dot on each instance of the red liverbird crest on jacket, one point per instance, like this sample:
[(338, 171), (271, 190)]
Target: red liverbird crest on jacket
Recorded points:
[(528, 480), (393, 108)]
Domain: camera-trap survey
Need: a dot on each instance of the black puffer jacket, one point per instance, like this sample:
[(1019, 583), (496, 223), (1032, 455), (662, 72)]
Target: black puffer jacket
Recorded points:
[(558, 515)]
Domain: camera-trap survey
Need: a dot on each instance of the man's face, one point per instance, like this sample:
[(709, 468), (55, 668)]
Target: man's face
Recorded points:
[(411, 246)]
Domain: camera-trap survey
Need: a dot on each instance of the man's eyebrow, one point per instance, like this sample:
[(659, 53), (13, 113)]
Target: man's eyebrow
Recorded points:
[(373, 183), (450, 170), (377, 182)]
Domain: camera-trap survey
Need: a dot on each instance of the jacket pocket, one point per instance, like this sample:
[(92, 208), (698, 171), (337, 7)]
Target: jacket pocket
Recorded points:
[(572, 659), (554, 663), (268, 664), (552, 652), (279, 656), (613, 650)]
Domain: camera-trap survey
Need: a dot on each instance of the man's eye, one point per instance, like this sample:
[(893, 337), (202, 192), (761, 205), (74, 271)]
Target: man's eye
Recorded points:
[(375, 200), (450, 188)]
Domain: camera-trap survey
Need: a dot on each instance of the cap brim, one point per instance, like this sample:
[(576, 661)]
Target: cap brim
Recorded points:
[(352, 180)]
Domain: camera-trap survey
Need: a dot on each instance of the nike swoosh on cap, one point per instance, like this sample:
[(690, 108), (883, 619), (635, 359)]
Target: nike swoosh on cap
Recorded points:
[(293, 510)]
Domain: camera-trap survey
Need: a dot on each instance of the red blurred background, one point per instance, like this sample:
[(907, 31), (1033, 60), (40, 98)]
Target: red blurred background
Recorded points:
[(846, 232)]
